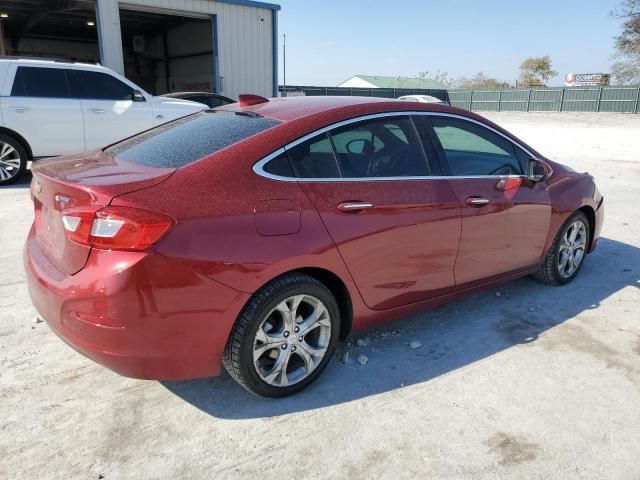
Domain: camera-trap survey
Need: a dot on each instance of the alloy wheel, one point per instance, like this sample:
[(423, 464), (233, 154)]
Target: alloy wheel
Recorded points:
[(292, 340), (9, 161), (572, 249)]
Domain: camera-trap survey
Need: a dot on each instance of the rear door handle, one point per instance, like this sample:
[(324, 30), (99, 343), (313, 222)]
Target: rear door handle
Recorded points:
[(19, 109), (97, 110), (354, 207), (476, 202)]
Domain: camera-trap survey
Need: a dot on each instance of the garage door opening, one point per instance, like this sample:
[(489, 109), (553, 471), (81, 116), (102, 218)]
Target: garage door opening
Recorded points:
[(168, 53), (64, 29)]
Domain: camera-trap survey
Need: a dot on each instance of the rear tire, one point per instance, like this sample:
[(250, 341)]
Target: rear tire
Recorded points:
[(567, 253), (284, 337), (13, 159)]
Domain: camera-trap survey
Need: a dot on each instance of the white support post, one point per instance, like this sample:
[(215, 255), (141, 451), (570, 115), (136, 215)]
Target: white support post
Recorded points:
[(109, 35)]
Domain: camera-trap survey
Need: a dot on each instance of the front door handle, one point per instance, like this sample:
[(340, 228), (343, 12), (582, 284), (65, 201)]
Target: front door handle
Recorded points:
[(354, 207), (476, 202), (19, 109), (97, 110)]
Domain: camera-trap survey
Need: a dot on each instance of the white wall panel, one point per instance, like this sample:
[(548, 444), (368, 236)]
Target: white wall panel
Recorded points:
[(245, 41)]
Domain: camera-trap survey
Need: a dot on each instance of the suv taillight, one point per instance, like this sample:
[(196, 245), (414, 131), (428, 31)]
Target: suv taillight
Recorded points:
[(116, 228)]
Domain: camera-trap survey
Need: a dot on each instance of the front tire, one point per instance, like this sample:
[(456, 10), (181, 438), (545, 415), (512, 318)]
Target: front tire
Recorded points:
[(13, 160), (567, 253), (284, 337)]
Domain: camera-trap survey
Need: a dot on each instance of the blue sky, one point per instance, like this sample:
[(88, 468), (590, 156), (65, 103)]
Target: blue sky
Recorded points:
[(328, 41)]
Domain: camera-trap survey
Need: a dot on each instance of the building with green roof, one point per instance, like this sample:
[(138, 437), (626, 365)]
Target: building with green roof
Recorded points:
[(379, 81)]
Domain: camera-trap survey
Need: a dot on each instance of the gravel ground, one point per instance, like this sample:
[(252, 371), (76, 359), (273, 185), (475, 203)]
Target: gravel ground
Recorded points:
[(525, 381)]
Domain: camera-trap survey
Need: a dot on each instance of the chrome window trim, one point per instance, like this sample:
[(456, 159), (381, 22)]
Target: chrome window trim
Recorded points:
[(259, 166)]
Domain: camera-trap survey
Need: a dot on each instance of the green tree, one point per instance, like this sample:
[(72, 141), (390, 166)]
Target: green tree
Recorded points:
[(480, 81), (536, 71), (626, 68)]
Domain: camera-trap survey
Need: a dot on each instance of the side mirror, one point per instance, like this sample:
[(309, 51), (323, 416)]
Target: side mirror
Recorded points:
[(360, 146), (356, 146), (536, 170), (137, 96)]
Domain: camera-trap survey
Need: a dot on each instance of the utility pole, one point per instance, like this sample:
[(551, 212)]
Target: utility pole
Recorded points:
[(284, 64)]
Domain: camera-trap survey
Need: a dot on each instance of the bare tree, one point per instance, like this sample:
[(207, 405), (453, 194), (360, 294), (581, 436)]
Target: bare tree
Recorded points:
[(480, 81), (438, 76), (626, 67), (536, 71)]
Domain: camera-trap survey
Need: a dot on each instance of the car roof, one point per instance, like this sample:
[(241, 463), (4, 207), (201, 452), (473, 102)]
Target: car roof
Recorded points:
[(303, 115), (50, 61), (287, 109)]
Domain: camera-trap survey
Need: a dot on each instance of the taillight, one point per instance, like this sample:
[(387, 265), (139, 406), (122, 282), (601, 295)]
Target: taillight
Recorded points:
[(77, 223), (116, 228)]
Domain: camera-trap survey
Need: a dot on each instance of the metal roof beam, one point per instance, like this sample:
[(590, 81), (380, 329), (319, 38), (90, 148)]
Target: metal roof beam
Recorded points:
[(46, 7)]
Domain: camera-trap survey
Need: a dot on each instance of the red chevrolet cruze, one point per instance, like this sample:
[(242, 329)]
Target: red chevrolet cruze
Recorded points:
[(257, 235)]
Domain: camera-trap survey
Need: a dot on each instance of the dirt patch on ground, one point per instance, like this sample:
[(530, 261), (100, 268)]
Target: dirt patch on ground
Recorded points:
[(512, 449), (578, 338)]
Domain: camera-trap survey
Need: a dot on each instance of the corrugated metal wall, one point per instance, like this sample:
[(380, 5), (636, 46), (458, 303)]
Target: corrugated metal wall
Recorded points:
[(245, 40), (246, 49), (573, 99)]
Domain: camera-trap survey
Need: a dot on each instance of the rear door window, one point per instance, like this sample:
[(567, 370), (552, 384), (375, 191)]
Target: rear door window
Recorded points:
[(188, 139), (98, 86), (382, 147), (40, 82)]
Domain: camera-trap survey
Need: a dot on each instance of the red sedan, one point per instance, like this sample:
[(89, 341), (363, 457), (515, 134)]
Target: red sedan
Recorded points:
[(257, 235)]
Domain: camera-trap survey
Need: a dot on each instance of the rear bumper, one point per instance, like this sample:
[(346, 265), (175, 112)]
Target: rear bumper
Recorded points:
[(143, 315)]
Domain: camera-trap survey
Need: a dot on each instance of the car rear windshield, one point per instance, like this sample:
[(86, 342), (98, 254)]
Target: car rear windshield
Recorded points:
[(188, 139)]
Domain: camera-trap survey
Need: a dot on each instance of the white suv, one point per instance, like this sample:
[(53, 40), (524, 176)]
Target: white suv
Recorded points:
[(50, 108)]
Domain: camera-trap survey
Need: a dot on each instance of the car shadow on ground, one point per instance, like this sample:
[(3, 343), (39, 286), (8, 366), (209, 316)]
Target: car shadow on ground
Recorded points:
[(452, 336), (22, 182)]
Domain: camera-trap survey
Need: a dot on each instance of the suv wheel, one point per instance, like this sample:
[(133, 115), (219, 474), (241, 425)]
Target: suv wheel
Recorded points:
[(13, 160)]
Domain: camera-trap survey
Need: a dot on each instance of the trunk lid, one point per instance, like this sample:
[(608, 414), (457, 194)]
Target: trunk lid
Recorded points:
[(91, 180)]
